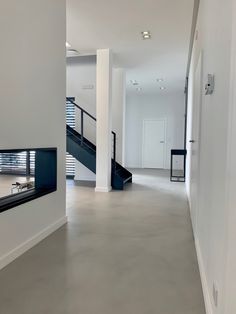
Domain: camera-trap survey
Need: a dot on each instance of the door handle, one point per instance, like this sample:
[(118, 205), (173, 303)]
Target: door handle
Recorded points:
[(191, 141)]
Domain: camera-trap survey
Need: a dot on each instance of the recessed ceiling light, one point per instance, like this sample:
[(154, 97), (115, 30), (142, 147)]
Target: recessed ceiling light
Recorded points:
[(162, 88), (72, 53), (134, 82), (146, 34), (68, 45), (160, 80)]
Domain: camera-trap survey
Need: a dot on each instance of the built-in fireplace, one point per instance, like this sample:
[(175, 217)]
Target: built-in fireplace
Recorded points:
[(26, 174)]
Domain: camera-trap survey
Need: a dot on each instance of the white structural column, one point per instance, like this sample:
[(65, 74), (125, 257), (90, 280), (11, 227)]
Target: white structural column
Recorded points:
[(118, 111), (104, 117)]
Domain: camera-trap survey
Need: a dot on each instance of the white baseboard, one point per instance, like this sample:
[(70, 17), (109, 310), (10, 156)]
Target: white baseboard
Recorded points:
[(206, 292), (22, 248), (85, 178), (103, 189), (133, 167), (141, 167)]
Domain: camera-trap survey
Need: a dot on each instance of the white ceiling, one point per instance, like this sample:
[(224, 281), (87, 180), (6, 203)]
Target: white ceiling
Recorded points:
[(117, 24)]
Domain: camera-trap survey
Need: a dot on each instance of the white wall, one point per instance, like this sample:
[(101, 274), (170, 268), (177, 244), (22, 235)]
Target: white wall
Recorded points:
[(214, 236), (140, 106), (81, 84), (118, 111), (81, 73), (32, 95), (230, 282)]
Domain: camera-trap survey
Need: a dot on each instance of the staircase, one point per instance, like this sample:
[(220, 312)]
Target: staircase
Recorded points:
[(85, 151)]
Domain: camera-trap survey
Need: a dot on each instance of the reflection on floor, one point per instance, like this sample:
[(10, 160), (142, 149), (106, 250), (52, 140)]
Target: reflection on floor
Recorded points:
[(129, 252)]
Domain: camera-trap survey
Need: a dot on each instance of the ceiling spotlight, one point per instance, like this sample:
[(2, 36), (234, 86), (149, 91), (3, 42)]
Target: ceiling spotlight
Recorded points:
[(72, 53), (134, 82), (160, 80), (162, 88), (68, 45), (146, 34)]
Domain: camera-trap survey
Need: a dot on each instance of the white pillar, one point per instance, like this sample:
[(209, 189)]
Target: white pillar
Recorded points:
[(118, 111), (103, 106)]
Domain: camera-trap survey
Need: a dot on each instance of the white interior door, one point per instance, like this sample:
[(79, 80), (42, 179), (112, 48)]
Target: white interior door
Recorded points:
[(153, 143), (195, 156)]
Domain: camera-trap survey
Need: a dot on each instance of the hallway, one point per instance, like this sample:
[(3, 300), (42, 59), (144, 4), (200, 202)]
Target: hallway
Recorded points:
[(121, 253)]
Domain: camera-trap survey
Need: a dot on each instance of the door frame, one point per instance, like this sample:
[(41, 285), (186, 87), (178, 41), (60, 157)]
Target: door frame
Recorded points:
[(164, 152), (194, 204)]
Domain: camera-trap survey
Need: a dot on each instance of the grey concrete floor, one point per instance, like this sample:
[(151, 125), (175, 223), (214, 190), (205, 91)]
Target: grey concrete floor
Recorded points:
[(129, 252)]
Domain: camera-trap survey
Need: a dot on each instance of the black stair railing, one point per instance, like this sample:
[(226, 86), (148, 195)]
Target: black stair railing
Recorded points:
[(83, 112)]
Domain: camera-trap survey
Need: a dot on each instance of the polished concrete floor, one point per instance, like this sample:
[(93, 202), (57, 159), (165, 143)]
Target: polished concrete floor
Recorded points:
[(128, 252)]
